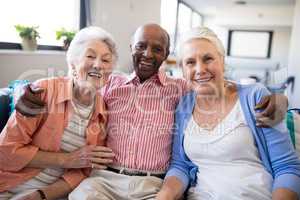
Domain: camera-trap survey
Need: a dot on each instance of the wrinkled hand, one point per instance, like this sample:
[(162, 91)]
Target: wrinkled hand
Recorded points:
[(273, 108), (29, 103), (163, 196), (32, 196), (97, 157)]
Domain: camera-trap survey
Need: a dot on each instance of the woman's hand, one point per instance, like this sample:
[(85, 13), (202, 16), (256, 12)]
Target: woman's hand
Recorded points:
[(97, 157), (162, 195), (284, 194)]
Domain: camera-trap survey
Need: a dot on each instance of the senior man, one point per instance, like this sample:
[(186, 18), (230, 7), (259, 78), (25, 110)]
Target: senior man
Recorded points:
[(140, 121)]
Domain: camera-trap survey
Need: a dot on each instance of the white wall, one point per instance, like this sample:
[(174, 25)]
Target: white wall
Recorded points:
[(246, 18), (120, 17), (294, 58), (255, 15), (30, 65)]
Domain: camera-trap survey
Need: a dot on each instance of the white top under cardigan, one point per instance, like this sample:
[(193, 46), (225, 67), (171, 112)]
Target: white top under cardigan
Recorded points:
[(228, 161)]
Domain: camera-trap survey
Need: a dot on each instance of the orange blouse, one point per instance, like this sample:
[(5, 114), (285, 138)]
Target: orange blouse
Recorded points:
[(23, 137)]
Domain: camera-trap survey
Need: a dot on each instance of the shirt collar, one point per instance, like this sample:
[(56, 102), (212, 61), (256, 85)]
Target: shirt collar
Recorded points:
[(160, 76), (66, 93)]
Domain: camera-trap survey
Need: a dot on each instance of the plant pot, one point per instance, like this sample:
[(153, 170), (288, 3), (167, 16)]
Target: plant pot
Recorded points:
[(29, 44)]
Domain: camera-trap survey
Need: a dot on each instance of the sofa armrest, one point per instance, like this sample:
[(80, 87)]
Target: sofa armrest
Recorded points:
[(4, 106)]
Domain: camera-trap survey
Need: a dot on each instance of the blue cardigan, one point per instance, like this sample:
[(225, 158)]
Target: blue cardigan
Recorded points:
[(274, 145)]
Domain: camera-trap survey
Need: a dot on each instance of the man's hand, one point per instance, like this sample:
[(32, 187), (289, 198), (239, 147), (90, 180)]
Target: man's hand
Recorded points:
[(273, 108), (29, 103)]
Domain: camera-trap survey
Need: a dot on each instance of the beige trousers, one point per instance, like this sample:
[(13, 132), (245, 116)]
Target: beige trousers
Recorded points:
[(107, 185)]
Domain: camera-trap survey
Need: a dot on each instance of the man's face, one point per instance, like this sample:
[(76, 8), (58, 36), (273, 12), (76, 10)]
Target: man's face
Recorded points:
[(149, 49)]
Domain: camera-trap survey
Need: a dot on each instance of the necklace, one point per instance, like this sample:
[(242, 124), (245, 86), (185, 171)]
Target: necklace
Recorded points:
[(79, 112)]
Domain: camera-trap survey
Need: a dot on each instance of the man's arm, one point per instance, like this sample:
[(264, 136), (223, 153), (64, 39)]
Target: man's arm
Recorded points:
[(273, 106)]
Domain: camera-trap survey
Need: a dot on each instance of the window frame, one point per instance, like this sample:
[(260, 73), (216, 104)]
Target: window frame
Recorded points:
[(177, 16), (82, 23), (270, 41)]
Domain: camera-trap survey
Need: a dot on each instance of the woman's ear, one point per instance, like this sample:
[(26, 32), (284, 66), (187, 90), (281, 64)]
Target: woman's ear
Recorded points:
[(74, 72)]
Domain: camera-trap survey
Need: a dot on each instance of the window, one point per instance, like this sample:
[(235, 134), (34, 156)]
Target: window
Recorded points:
[(184, 18), (250, 43), (168, 18), (177, 18), (49, 15), (196, 19)]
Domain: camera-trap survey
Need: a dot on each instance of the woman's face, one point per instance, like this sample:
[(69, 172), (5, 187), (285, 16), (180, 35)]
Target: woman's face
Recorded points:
[(203, 66), (95, 65)]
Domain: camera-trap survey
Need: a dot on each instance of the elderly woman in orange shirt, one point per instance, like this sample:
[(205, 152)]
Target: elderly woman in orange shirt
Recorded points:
[(46, 156)]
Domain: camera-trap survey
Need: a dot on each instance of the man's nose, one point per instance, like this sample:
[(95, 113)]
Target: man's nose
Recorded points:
[(148, 52)]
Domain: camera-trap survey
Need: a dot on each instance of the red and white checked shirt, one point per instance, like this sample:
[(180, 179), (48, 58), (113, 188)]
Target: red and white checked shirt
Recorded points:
[(140, 120)]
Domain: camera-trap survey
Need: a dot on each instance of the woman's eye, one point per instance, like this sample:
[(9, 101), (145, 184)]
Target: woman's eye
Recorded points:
[(190, 62), (208, 60), (106, 61), (90, 56)]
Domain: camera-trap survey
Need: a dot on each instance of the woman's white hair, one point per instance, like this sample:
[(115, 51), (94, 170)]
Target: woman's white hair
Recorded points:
[(86, 35), (200, 33)]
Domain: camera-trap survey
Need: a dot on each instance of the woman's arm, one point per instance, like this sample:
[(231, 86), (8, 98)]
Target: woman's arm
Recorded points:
[(172, 189), (57, 190), (181, 171), (281, 155)]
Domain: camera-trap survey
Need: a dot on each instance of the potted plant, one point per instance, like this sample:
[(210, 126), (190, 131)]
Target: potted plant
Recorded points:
[(28, 34), (66, 35)]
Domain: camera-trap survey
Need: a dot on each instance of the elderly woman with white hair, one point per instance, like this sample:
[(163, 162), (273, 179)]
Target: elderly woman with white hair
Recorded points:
[(46, 156), (218, 149)]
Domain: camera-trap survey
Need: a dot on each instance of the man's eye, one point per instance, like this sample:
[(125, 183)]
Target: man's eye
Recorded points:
[(157, 49), (139, 46), (90, 56)]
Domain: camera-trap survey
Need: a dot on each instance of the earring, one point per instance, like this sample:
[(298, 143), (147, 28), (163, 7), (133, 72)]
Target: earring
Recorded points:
[(74, 73)]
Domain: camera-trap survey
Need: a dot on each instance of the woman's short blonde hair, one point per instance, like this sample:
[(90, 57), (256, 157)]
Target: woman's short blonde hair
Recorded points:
[(200, 33), (86, 35)]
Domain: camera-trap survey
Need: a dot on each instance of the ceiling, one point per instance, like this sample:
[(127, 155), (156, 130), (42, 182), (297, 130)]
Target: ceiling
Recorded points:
[(207, 7)]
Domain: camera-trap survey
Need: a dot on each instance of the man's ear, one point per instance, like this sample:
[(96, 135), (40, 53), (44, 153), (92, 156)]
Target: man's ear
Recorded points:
[(167, 54), (130, 46)]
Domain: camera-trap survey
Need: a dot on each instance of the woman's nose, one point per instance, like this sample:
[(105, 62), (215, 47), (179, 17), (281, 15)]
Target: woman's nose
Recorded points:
[(98, 63), (200, 67)]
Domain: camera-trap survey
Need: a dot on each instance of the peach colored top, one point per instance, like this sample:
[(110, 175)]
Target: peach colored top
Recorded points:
[(23, 137)]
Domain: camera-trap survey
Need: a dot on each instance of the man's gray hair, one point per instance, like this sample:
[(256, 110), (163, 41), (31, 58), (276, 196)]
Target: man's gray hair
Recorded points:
[(201, 33), (86, 35)]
